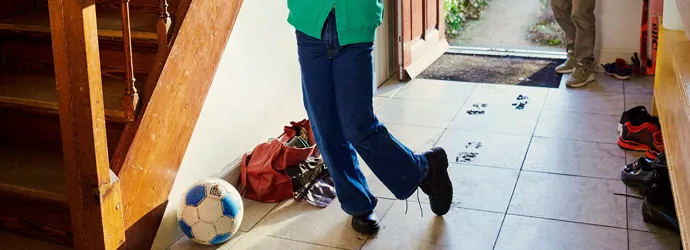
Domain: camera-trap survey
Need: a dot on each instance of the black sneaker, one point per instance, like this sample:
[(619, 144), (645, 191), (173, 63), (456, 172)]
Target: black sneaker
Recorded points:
[(639, 174), (366, 224), (437, 183), (663, 215), (636, 116), (619, 69)]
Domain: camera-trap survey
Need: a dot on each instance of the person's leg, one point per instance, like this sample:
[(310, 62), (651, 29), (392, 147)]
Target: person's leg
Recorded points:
[(394, 164), (584, 20), (562, 10), (401, 170), (319, 100), (585, 23)]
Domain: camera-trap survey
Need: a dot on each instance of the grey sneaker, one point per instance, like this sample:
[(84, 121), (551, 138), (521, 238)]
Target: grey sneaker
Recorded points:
[(568, 66), (583, 74)]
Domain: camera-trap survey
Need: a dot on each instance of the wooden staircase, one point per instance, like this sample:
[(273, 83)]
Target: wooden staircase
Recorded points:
[(98, 100)]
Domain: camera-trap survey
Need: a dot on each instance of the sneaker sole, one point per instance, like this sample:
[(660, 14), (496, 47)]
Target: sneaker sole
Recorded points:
[(446, 178), (568, 71), (618, 76), (591, 78), (631, 145)]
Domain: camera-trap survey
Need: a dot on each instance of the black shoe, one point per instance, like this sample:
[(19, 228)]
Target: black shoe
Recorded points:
[(366, 224), (437, 183), (639, 174), (636, 116), (663, 215)]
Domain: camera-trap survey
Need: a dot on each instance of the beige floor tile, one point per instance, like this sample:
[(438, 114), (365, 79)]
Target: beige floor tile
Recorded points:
[(525, 233), (495, 150), (375, 185), (459, 229), (253, 212), (632, 101), (185, 243), (389, 88), (575, 126), (504, 119), (580, 158), (435, 90), (418, 139), (585, 102), (481, 188), (569, 198), (640, 86), (603, 83), (303, 222), (635, 220), (418, 113), (378, 102), (262, 242), (632, 156), (501, 95), (9, 241), (650, 241)]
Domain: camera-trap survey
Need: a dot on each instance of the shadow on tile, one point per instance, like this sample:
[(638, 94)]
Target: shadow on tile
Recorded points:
[(459, 229), (525, 233), (330, 226), (570, 198)]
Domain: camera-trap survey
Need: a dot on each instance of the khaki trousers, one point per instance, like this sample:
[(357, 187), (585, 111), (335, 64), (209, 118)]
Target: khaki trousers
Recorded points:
[(576, 18)]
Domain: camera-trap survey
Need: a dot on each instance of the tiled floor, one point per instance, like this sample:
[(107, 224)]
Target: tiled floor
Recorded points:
[(545, 177)]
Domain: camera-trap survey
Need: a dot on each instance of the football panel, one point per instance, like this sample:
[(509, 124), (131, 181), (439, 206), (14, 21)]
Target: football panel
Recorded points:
[(224, 225), (220, 238), (210, 210), (231, 206), (214, 189), (186, 229), (204, 232), (190, 215), (195, 195)]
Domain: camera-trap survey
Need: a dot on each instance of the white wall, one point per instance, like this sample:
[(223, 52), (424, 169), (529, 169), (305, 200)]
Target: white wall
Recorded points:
[(618, 29), (256, 91)]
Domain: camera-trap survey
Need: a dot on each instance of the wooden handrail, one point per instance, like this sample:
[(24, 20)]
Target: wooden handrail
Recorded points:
[(94, 191), (131, 97), (164, 23)]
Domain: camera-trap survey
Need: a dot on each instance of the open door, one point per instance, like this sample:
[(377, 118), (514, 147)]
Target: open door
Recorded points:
[(421, 35)]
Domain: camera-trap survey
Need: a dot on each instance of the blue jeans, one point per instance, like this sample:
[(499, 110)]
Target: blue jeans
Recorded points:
[(337, 85)]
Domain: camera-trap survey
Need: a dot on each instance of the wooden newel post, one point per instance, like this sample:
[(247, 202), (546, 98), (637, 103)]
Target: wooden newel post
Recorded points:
[(164, 24), (94, 191), (131, 98)]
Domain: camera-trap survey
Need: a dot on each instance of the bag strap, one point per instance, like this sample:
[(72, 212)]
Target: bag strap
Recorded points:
[(243, 173)]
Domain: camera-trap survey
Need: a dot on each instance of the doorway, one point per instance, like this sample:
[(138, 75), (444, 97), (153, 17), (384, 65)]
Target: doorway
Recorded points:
[(511, 25)]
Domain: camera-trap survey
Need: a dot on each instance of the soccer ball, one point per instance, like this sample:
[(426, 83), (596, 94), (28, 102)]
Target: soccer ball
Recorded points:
[(210, 212)]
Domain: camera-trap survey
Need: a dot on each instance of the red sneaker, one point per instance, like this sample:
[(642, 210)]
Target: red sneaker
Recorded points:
[(657, 146), (637, 138)]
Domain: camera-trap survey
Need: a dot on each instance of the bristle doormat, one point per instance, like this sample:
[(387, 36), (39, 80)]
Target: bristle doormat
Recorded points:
[(495, 69)]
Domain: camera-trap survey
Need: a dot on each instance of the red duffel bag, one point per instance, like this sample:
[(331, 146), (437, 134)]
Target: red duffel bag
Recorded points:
[(263, 175)]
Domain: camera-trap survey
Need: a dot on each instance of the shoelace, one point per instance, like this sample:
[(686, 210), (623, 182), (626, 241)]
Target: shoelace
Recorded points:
[(579, 70), (418, 202)]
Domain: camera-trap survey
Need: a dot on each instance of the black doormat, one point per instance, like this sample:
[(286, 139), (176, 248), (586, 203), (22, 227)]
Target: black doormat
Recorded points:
[(495, 69)]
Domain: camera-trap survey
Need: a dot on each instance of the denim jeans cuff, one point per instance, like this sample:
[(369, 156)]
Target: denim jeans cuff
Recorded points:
[(366, 212), (416, 186)]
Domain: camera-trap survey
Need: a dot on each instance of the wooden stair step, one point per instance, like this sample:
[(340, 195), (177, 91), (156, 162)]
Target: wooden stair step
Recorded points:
[(37, 93), (9, 241), (36, 56), (34, 193), (144, 6), (143, 25)]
